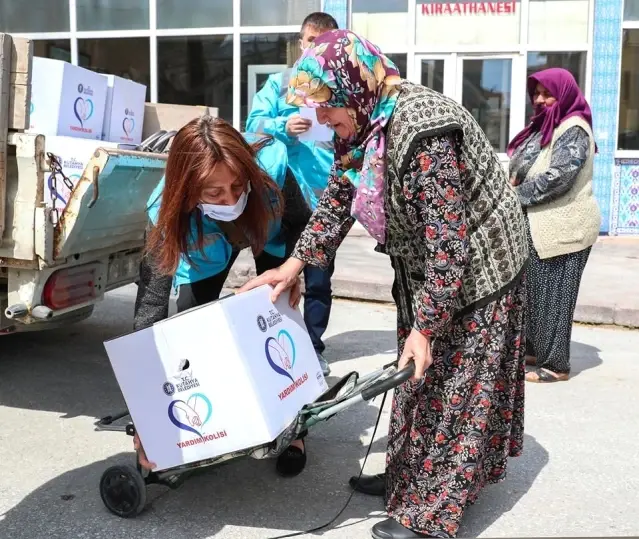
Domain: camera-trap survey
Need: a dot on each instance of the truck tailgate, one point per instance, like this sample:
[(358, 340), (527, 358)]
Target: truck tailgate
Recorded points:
[(107, 207)]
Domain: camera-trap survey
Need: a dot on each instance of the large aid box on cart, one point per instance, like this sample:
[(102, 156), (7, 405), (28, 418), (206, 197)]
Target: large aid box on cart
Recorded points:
[(216, 379)]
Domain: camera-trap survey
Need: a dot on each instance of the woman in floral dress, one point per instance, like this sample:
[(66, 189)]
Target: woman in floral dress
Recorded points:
[(415, 169)]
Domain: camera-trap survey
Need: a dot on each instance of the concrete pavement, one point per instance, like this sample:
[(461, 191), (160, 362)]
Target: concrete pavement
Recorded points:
[(578, 475), (609, 289)]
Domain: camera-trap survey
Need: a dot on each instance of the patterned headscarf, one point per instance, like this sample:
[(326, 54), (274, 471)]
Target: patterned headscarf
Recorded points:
[(342, 69)]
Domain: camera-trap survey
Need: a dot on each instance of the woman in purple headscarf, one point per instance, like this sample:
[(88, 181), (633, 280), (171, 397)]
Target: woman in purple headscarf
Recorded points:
[(414, 168), (551, 165)]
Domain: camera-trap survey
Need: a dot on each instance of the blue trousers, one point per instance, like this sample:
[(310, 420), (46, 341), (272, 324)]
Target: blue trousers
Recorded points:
[(318, 298)]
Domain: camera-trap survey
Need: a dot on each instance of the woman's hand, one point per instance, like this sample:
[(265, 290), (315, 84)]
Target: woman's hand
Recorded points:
[(417, 349), (144, 462), (286, 277), (296, 125)]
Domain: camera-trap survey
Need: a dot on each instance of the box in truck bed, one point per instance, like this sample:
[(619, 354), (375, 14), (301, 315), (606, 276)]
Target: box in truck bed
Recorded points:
[(66, 100)]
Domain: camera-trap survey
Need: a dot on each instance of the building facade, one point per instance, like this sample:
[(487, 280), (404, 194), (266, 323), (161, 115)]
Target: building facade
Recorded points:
[(479, 52)]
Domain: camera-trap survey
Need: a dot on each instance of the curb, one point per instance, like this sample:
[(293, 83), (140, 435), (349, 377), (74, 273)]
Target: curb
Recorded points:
[(585, 313)]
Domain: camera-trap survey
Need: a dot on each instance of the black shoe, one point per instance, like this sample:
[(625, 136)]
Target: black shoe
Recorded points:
[(373, 485), (291, 462), (391, 529)]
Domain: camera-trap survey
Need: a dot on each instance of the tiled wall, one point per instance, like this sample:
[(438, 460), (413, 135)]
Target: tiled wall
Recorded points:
[(605, 99), (339, 10), (625, 198)]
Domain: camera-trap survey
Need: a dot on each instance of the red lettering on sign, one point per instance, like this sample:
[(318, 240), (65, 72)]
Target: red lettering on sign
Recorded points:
[(458, 8)]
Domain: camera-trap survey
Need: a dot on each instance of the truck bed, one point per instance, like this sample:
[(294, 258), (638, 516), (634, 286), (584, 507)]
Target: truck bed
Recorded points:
[(101, 229)]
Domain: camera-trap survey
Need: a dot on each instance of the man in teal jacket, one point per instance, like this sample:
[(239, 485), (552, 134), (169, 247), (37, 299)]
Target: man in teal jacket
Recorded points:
[(311, 164)]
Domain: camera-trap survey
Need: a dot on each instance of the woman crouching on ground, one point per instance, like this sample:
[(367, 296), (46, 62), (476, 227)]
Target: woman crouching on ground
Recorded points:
[(222, 192)]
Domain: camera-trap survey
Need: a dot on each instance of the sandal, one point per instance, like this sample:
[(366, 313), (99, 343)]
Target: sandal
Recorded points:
[(291, 462), (542, 376)]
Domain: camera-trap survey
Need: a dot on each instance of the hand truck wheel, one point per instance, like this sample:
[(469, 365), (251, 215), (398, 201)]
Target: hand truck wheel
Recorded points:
[(123, 491)]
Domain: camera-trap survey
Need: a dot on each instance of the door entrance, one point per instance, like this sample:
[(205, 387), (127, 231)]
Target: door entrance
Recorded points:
[(483, 84)]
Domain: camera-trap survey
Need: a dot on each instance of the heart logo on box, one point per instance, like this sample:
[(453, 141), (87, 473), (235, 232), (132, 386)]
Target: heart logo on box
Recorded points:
[(191, 415), (128, 125), (280, 353), (83, 109)]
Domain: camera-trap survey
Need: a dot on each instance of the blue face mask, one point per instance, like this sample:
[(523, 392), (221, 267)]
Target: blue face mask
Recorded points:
[(226, 213)]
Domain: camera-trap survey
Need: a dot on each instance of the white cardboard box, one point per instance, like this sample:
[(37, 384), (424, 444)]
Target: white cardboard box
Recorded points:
[(124, 112), (227, 376), (66, 100), (74, 155)]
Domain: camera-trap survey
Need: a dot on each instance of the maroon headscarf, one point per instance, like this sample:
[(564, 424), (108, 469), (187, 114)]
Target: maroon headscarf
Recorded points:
[(570, 102)]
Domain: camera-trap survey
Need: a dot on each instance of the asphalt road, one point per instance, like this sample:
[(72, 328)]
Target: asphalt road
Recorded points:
[(579, 475)]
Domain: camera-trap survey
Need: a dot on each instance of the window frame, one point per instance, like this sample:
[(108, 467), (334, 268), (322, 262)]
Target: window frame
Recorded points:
[(623, 154)]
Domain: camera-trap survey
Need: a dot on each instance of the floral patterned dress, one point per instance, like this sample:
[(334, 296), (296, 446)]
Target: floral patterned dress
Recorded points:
[(453, 433)]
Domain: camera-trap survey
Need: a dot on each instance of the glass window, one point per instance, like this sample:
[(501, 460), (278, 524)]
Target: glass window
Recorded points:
[(400, 61), (124, 57), (575, 62), (262, 55), (112, 14), (34, 16), (276, 12), (558, 21), (486, 94), (197, 70), (373, 19), (631, 10), (200, 13), (629, 92), (57, 49), (433, 74), (459, 22)]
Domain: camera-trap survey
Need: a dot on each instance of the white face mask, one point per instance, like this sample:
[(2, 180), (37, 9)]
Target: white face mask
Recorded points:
[(226, 213)]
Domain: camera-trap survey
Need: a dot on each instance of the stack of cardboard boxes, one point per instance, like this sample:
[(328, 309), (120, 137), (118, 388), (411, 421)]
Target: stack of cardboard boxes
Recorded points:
[(80, 111)]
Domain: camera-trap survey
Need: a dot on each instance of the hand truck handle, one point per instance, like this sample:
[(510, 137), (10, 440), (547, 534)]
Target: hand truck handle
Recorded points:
[(389, 383)]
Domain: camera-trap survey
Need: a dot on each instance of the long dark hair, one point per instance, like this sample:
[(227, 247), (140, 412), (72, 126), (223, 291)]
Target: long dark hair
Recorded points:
[(196, 149)]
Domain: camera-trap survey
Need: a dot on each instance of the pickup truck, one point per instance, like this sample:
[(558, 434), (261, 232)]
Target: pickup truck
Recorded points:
[(57, 263)]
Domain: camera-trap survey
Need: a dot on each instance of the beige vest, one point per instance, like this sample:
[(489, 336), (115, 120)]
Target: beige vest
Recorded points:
[(570, 223)]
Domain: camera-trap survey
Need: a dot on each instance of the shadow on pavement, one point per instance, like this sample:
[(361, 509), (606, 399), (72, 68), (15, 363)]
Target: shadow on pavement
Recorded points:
[(360, 343), (66, 370), (245, 494), (583, 357)]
